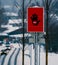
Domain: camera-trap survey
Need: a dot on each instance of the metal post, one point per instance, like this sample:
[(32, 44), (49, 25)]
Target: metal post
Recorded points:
[(39, 54), (36, 50), (23, 32), (30, 51), (47, 8)]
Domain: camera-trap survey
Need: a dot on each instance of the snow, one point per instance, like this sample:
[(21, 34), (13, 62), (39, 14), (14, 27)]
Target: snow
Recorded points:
[(15, 45), (21, 35), (10, 29), (6, 26), (7, 6), (29, 56), (52, 57), (54, 15), (3, 34), (2, 48), (8, 56), (16, 21), (10, 14)]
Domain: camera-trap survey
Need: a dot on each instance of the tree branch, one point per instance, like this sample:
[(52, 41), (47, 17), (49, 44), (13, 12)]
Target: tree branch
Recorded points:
[(28, 4), (50, 3), (43, 2)]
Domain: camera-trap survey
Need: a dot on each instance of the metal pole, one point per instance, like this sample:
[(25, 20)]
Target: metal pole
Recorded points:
[(39, 53), (47, 8), (35, 47), (36, 50), (30, 51), (23, 32)]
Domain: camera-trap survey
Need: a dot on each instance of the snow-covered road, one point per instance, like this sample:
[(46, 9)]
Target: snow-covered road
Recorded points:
[(14, 57)]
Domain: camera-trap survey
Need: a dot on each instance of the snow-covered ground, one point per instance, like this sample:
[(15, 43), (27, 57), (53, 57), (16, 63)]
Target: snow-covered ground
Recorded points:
[(29, 56), (52, 57)]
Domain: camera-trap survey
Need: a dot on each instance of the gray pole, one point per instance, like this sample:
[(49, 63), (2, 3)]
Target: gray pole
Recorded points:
[(36, 50), (39, 53), (30, 51)]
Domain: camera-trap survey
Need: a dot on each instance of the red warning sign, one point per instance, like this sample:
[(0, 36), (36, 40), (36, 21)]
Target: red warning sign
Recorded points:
[(35, 20)]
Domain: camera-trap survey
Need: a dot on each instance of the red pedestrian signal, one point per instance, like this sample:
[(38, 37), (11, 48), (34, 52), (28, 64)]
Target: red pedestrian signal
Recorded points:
[(35, 20)]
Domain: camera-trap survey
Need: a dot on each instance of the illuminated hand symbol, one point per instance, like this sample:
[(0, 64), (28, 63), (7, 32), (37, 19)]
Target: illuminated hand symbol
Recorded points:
[(34, 19)]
